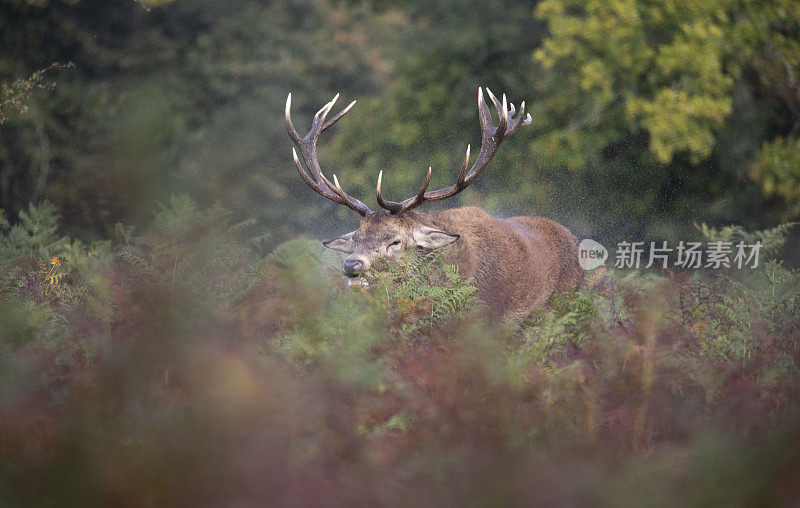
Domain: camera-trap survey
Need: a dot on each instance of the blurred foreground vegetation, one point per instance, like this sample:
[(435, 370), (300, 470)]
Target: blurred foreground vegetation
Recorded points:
[(166, 339), (175, 366)]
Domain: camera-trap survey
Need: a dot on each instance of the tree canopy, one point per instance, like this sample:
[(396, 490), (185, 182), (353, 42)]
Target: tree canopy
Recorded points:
[(647, 116)]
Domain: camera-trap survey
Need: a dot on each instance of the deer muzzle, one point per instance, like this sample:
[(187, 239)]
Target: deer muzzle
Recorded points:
[(352, 267)]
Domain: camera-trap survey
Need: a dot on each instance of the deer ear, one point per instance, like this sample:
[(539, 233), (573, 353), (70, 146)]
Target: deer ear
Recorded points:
[(344, 243), (430, 238)]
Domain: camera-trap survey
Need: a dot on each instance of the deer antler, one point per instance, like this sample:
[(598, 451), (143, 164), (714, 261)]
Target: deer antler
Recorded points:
[(491, 137), (308, 150)]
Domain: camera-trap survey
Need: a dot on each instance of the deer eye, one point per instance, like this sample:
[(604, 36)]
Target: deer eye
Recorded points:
[(396, 242)]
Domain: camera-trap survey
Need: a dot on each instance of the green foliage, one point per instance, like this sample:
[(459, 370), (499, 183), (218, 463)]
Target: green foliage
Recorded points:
[(46, 279), (317, 257), (201, 251), (771, 240), (421, 290), (727, 308), (722, 312), (31, 256), (624, 58), (171, 97), (35, 232), (548, 332), (777, 169), (667, 87), (341, 328)]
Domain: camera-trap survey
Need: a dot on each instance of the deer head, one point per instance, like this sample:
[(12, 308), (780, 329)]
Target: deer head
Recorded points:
[(396, 228)]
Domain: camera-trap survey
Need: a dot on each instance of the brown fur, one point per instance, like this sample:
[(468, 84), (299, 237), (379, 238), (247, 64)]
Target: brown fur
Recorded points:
[(517, 264)]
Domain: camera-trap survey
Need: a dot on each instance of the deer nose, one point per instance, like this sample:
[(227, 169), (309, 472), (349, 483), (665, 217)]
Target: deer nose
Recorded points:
[(352, 267)]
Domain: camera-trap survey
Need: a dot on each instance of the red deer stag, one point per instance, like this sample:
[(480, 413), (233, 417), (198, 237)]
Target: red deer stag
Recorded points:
[(516, 264)]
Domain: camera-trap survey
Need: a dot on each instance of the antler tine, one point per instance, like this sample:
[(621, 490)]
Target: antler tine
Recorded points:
[(351, 201), (484, 115), (307, 146), (315, 184), (417, 200), (462, 175), (319, 118), (392, 206), (502, 114), (520, 119), (337, 117), (422, 189), (302, 172), (501, 129), (494, 100), (491, 138), (407, 204), (289, 125)]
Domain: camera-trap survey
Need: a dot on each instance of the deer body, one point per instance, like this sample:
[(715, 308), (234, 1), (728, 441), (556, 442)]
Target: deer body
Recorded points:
[(524, 264), (517, 264)]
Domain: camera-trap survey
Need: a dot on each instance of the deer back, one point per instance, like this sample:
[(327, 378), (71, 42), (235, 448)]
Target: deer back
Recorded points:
[(517, 263)]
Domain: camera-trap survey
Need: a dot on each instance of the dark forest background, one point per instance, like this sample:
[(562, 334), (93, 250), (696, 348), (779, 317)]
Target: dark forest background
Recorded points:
[(647, 116)]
